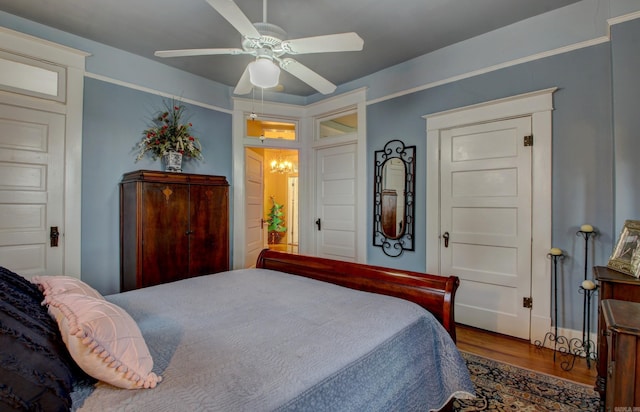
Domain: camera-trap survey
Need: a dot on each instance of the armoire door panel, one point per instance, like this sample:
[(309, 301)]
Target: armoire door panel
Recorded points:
[(165, 222), (208, 239)]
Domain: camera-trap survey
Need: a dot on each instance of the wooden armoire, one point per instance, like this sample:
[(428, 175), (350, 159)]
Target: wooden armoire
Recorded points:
[(172, 226)]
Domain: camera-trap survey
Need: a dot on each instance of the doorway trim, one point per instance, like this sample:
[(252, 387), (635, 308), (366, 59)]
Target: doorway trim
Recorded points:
[(354, 100), (539, 106), (73, 61), (292, 217), (305, 144), (241, 108)]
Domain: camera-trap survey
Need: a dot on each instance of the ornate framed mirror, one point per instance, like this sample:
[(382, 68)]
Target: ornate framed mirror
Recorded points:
[(393, 198)]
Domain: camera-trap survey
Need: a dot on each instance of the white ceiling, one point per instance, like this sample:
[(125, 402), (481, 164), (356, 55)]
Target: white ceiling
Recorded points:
[(393, 31)]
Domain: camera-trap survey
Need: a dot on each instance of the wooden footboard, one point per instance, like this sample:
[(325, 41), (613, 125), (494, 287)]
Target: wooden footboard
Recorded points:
[(433, 292)]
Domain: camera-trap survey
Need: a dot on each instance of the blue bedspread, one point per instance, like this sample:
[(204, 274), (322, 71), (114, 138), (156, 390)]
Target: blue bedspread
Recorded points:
[(259, 340)]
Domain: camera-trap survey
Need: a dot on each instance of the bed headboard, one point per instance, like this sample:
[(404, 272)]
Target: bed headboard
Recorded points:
[(433, 292)]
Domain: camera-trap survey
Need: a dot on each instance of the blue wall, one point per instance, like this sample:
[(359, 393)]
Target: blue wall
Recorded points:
[(626, 119), (114, 117), (582, 149)]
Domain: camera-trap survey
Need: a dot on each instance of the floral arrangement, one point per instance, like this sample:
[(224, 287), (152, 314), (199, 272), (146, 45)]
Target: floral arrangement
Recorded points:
[(169, 133)]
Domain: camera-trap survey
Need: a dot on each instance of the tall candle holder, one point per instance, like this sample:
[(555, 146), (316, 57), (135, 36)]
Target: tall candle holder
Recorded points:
[(588, 288), (555, 254), (569, 349)]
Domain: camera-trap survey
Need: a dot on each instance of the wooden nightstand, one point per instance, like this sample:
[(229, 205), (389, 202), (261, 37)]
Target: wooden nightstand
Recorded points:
[(613, 285), (623, 358)]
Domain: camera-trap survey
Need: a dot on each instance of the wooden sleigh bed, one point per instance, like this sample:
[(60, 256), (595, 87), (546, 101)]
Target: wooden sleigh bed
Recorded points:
[(433, 292), (334, 337)]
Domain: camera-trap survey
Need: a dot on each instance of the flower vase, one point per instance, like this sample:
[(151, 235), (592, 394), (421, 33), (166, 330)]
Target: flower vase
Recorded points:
[(172, 161)]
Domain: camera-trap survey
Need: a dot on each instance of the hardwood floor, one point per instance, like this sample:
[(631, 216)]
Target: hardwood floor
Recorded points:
[(521, 353), (289, 248)]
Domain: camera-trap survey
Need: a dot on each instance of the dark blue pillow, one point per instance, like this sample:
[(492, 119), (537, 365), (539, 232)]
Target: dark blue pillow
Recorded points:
[(36, 370)]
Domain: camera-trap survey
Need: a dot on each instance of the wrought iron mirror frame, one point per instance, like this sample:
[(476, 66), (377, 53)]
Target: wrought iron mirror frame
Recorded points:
[(394, 247)]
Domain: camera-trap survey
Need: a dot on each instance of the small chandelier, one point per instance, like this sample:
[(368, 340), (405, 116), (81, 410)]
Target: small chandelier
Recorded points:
[(281, 166)]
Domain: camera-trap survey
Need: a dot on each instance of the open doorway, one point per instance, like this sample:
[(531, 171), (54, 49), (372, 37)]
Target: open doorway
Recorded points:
[(272, 200), (282, 128), (281, 199)]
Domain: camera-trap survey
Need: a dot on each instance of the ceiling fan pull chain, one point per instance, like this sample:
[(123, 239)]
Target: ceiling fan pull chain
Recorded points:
[(253, 114), (253, 99)]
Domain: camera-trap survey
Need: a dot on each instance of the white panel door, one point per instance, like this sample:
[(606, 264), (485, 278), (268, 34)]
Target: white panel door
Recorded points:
[(255, 234), (336, 183), (31, 190), (486, 214)]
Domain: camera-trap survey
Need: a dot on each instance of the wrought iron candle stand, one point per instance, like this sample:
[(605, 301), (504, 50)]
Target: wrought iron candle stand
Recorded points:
[(588, 288), (569, 349), (555, 254)]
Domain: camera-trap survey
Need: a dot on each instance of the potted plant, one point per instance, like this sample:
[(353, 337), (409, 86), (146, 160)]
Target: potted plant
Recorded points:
[(169, 137), (276, 222)]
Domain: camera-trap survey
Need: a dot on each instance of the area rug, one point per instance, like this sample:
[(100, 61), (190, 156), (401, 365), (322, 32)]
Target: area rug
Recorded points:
[(503, 387)]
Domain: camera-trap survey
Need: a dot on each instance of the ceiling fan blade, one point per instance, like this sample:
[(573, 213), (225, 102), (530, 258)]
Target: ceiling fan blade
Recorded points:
[(244, 85), (230, 11), (307, 75), (196, 52), (323, 44)]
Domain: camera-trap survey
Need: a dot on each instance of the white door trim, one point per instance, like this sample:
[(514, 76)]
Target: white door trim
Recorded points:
[(241, 108), (315, 112), (305, 145), (74, 61), (539, 105)]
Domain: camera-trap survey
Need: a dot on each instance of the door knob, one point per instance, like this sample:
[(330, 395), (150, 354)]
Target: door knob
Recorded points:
[(54, 234), (319, 224), (445, 236)]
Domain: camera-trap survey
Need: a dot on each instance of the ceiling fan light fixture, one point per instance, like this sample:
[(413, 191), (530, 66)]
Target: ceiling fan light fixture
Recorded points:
[(266, 42), (264, 73)]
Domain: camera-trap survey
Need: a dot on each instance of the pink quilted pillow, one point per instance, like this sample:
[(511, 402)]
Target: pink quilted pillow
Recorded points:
[(64, 284), (103, 340)]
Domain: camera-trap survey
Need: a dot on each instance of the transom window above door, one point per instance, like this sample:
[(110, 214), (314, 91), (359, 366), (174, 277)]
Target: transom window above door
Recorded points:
[(270, 129), (340, 125)]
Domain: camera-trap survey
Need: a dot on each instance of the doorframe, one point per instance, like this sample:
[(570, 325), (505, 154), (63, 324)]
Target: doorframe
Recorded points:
[(73, 61), (305, 143), (248, 152), (315, 113), (272, 110), (538, 105), (293, 221)]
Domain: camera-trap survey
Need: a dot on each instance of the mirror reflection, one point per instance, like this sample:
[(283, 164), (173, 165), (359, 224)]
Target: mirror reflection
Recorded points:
[(393, 179), (394, 188)]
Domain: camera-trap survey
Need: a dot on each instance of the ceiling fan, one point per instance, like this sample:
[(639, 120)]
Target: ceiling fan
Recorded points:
[(268, 43)]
